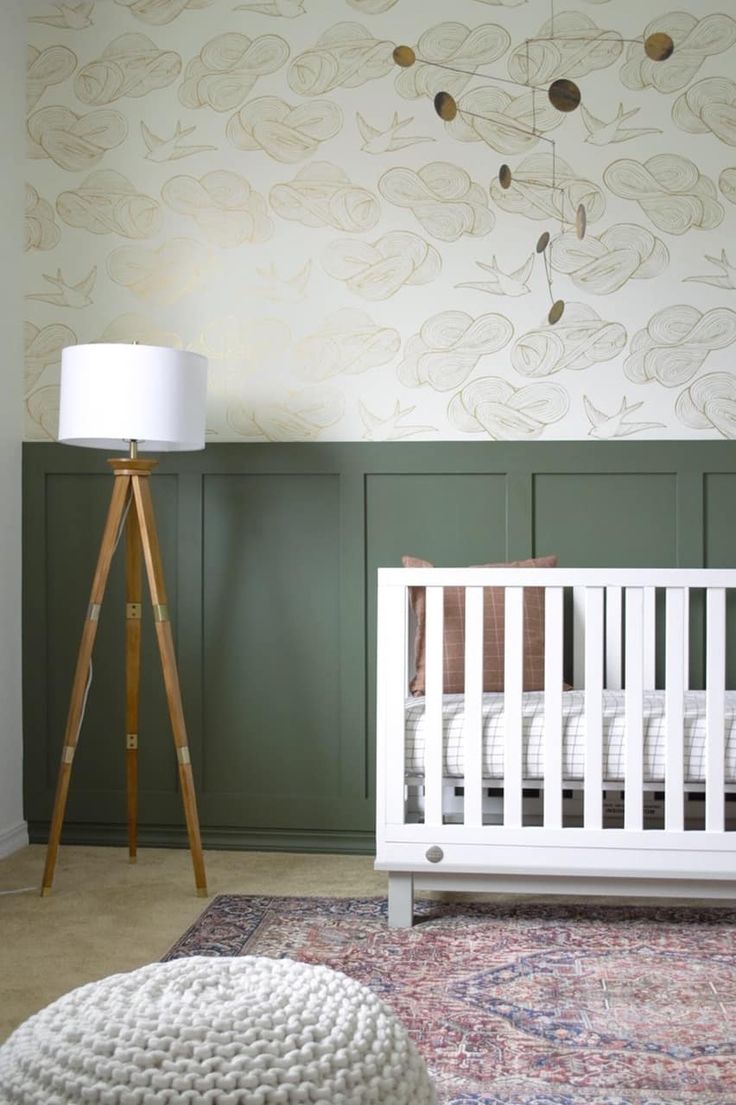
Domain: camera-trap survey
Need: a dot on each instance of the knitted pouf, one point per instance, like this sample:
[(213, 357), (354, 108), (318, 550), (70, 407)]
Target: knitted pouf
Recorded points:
[(200, 1031)]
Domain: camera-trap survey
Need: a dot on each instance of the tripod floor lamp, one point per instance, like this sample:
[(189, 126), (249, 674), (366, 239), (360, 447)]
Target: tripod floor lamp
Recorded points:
[(139, 397)]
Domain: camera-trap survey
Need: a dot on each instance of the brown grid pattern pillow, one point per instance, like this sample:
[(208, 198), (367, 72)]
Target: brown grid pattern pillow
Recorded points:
[(493, 631)]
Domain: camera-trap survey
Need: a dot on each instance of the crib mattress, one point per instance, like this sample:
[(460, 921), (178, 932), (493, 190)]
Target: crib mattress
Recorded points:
[(573, 736)]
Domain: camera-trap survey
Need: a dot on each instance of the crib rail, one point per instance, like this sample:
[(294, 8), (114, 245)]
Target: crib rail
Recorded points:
[(615, 645), (524, 832)]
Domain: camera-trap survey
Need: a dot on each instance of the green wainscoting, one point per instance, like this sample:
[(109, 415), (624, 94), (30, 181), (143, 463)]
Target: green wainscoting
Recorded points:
[(270, 553)]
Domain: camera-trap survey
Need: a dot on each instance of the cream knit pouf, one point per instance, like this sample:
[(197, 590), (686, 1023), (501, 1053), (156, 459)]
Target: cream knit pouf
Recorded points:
[(200, 1031)]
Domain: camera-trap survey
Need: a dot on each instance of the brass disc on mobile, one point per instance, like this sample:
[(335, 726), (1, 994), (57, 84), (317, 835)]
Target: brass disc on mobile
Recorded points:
[(404, 56), (564, 95), (542, 242), (658, 46), (504, 176), (556, 311), (445, 106)]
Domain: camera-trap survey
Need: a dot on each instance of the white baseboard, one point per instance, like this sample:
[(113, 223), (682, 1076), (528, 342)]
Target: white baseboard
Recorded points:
[(13, 838)]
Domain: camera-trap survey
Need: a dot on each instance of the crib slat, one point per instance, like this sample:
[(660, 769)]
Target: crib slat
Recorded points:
[(578, 637), (473, 731), (433, 752), (674, 782), (634, 712), (553, 650), (593, 794), (715, 682), (650, 613), (410, 643), (686, 643), (513, 689), (392, 681), (613, 638)]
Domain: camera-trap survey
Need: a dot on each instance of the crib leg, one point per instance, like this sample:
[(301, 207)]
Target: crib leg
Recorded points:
[(400, 900)]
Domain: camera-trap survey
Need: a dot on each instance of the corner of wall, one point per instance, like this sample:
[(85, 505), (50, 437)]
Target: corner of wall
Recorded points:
[(13, 830), (13, 838)]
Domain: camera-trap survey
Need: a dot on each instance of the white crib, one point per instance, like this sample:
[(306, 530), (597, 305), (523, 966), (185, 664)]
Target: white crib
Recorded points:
[(667, 834)]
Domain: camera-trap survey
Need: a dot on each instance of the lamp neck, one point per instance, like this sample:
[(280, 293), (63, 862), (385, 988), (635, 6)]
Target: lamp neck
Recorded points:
[(133, 449)]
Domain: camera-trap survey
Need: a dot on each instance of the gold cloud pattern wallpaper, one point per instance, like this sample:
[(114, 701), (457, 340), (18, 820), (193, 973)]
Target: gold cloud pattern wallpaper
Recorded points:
[(260, 182)]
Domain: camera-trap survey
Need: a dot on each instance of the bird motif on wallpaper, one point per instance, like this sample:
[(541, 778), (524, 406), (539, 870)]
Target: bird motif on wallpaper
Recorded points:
[(727, 278), (601, 133), (168, 149), (73, 16), (388, 429), (68, 295), (389, 140), (282, 289), (615, 425), (503, 283), (289, 9)]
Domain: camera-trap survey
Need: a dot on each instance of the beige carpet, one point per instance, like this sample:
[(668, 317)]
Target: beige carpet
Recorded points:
[(106, 915)]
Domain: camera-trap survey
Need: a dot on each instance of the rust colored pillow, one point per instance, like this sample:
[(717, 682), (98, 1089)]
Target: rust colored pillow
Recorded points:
[(493, 631)]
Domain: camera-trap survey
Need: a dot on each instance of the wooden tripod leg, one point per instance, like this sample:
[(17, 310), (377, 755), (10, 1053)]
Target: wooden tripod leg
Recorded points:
[(133, 596), (76, 702), (155, 573)]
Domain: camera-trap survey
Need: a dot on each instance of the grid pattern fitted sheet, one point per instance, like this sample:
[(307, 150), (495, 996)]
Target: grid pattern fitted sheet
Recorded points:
[(573, 735)]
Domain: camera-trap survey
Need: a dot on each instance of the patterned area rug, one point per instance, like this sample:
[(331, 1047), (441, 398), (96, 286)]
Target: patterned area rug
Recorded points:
[(524, 1005)]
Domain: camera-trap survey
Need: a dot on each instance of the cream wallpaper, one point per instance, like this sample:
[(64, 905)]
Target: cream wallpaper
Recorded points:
[(260, 182)]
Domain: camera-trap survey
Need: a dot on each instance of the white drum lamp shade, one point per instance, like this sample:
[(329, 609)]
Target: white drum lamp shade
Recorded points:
[(112, 394)]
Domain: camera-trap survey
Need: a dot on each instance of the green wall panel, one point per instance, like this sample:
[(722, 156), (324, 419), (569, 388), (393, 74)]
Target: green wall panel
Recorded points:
[(453, 520), (632, 516), (271, 638), (270, 554), (720, 510)]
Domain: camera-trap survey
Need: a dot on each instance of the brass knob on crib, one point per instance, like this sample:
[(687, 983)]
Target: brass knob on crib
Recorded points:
[(434, 854)]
